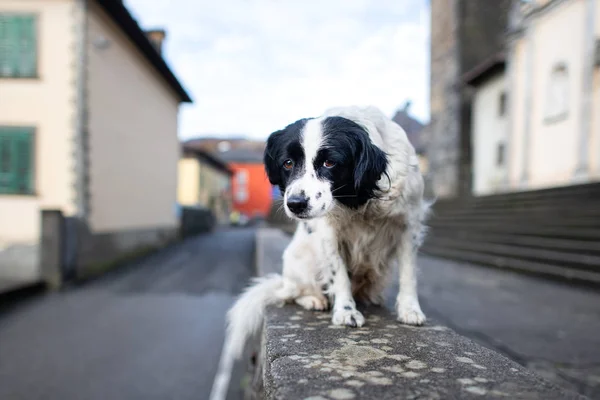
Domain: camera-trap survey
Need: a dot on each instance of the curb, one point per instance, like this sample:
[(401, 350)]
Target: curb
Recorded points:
[(221, 388), (13, 297), (258, 252)]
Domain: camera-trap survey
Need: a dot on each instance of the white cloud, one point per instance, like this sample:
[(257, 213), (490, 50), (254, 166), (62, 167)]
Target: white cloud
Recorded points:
[(253, 66)]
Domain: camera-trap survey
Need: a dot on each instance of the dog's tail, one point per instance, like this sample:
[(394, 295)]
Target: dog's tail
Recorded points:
[(245, 318)]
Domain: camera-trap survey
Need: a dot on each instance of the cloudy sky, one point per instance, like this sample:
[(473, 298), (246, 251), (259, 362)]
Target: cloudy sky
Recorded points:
[(253, 66)]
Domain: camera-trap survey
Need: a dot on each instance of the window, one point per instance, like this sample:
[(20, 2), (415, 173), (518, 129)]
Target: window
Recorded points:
[(502, 104), (201, 176), (500, 150), (242, 177), (557, 97), (18, 48), (241, 195), (16, 161)]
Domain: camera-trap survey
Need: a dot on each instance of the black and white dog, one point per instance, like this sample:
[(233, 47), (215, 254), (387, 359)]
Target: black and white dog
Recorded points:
[(351, 178)]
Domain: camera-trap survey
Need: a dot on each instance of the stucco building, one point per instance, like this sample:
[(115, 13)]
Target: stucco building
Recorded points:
[(536, 104), (88, 126), (205, 181)]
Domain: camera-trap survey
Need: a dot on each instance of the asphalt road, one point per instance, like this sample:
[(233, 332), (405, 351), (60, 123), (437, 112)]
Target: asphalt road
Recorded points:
[(151, 330)]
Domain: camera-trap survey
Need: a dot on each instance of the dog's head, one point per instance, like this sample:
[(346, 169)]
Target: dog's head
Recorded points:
[(320, 162)]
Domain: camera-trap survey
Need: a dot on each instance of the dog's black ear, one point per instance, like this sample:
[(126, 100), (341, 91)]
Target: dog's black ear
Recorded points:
[(272, 167), (371, 163)]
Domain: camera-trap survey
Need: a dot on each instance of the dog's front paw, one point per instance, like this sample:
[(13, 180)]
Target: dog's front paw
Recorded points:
[(348, 316), (409, 313), (313, 303)]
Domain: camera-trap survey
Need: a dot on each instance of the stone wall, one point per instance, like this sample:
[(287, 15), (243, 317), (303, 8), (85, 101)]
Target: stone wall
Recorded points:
[(98, 252), (70, 251), (302, 355), (463, 34)]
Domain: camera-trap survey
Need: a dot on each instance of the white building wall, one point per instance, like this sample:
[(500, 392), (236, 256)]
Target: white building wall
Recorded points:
[(489, 134)]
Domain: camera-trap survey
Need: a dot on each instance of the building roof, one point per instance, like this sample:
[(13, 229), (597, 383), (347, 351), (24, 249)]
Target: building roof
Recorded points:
[(242, 156), (209, 159), (214, 143), (411, 126), (488, 68), (236, 150), (121, 16)]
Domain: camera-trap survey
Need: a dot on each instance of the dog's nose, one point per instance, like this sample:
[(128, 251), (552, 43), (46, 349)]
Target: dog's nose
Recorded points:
[(297, 204)]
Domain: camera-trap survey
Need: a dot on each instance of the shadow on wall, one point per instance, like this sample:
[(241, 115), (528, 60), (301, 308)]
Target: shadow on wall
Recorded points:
[(71, 251), (196, 220)]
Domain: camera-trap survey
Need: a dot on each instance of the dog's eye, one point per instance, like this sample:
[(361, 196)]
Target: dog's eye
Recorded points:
[(328, 164), (288, 164)]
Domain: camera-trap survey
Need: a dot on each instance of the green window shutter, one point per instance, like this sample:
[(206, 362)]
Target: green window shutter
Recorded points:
[(7, 178), (18, 47), (28, 57), (5, 53), (24, 161), (16, 160)]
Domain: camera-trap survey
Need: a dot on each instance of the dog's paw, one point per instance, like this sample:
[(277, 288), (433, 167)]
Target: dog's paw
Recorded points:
[(409, 313), (314, 303), (348, 316)]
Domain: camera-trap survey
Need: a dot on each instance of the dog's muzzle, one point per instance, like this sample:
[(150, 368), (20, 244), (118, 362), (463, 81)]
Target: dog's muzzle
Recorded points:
[(297, 204)]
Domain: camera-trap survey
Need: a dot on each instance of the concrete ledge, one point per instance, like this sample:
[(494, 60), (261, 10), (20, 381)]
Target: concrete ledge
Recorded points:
[(303, 356)]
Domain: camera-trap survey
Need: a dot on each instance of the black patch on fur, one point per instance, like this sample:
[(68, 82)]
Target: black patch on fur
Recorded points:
[(281, 146), (318, 195), (347, 308), (359, 164), (308, 228), (331, 281), (319, 276)]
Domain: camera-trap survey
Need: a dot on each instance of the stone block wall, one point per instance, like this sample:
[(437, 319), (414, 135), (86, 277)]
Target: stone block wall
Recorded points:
[(463, 34)]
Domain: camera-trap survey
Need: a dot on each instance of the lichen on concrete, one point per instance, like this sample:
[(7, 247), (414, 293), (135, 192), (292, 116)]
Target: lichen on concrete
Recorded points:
[(385, 360)]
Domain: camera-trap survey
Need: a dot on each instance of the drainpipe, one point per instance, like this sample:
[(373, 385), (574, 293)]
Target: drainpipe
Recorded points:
[(81, 110), (582, 169), (529, 73)]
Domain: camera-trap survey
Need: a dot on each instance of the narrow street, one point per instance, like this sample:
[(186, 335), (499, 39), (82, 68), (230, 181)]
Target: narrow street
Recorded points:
[(150, 330)]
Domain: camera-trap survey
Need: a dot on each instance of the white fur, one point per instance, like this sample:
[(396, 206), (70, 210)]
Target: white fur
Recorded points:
[(367, 242), (309, 183), (247, 312)]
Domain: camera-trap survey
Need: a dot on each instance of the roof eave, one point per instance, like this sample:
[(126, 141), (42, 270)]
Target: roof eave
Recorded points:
[(121, 16), (489, 67)]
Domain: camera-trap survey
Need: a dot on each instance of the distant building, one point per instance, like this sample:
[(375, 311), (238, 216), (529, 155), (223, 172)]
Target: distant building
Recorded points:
[(536, 105), (489, 125), (463, 34), (88, 126), (219, 145), (415, 130), (205, 181), (252, 193), (251, 189), (554, 93)]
